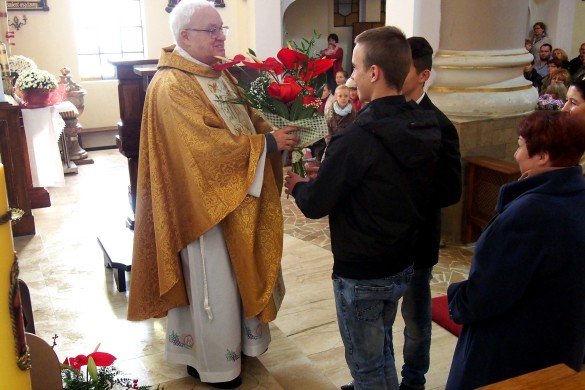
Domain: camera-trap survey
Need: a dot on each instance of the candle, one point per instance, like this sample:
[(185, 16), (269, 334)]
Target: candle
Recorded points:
[(4, 33), (12, 376)]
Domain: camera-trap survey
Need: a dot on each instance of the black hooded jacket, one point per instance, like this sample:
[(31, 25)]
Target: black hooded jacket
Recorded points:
[(375, 185)]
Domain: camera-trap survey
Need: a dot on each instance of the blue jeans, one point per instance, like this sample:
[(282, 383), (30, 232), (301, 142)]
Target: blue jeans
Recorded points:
[(416, 311), (366, 310)]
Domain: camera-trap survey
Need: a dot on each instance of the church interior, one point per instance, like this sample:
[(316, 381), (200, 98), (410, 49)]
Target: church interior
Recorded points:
[(71, 231)]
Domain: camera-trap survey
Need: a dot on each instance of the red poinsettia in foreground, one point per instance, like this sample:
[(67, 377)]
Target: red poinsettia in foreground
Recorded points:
[(101, 359)]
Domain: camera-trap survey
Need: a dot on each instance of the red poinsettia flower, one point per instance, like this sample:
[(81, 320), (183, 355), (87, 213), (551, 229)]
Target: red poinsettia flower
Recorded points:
[(292, 59), (236, 60), (315, 68), (271, 64), (101, 359), (287, 91)]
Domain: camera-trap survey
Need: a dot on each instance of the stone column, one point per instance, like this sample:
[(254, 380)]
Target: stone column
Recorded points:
[(480, 59)]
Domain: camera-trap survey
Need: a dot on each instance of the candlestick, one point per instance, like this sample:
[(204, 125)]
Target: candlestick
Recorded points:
[(12, 376), (5, 69)]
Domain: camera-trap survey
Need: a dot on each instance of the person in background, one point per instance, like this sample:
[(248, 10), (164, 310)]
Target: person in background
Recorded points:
[(552, 64), (576, 62), (557, 91), (340, 78), (576, 98), (373, 184), (416, 303), (532, 75), (527, 260), (333, 51), (541, 64), (528, 45), (561, 76), (580, 72), (561, 55), (206, 169), (539, 38), (354, 98), (341, 114)]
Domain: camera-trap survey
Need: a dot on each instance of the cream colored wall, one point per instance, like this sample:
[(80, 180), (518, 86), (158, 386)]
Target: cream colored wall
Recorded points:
[(578, 29)]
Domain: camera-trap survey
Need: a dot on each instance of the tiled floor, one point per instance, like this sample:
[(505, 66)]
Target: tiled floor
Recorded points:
[(74, 296)]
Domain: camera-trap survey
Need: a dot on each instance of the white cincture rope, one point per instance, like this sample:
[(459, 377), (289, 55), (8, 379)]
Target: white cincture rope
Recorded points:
[(205, 289)]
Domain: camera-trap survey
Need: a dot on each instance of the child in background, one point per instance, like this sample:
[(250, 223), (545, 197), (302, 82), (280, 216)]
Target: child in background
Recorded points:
[(341, 112), (353, 95), (340, 78), (325, 93)]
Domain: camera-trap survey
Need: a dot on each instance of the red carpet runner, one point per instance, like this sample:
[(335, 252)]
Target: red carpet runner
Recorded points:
[(441, 315)]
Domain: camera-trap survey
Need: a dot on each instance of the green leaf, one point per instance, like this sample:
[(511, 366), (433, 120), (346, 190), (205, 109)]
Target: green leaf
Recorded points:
[(296, 108), (281, 109), (92, 369), (252, 52)]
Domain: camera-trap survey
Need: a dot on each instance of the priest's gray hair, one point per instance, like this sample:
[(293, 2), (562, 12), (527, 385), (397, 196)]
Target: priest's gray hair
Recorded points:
[(181, 15)]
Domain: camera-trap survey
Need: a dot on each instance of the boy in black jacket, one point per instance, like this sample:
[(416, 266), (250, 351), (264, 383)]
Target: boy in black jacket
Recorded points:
[(375, 186)]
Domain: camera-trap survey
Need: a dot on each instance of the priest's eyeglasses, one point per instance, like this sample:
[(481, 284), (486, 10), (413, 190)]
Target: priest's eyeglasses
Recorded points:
[(214, 32)]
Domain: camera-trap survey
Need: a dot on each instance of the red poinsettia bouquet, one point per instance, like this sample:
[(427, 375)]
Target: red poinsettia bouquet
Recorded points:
[(284, 91), (100, 374)]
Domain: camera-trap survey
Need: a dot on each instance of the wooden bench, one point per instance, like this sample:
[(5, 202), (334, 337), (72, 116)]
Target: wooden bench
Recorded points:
[(485, 176), (550, 378), (117, 248)]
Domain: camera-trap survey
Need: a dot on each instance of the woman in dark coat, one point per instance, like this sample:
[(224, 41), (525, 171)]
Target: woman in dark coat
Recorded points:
[(523, 305)]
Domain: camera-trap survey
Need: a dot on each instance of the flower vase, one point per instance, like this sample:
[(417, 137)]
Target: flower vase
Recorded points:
[(36, 98)]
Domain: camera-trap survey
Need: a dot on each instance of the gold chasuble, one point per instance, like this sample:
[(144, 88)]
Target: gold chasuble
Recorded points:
[(197, 162)]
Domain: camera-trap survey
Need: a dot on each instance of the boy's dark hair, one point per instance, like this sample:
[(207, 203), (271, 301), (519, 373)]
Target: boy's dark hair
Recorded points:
[(334, 37), (422, 53), (387, 48)]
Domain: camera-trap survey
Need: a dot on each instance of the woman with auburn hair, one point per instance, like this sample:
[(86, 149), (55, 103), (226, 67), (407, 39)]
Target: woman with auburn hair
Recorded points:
[(523, 305)]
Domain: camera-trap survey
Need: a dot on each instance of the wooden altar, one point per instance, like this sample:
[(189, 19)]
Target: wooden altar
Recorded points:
[(133, 79), (15, 159)]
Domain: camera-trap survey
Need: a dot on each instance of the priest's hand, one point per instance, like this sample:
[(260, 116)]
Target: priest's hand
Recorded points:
[(285, 140)]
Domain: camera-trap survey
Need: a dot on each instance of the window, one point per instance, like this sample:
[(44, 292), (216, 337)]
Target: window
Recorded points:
[(107, 30)]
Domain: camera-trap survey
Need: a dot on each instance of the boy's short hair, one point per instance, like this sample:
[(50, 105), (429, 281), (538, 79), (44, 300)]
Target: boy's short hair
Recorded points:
[(387, 48), (422, 53)]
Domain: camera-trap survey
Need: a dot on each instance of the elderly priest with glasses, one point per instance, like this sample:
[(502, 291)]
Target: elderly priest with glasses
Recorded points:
[(209, 230)]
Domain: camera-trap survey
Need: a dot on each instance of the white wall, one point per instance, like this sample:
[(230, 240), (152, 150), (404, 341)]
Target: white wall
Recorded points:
[(578, 29)]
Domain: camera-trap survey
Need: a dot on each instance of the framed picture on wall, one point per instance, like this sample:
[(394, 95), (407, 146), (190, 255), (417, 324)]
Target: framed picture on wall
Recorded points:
[(38, 5)]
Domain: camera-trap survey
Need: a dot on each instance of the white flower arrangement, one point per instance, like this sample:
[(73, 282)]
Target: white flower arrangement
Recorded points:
[(33, 79), (18, 64)]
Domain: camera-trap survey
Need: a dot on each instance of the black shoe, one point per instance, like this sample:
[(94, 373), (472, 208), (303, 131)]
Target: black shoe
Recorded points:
[(349, 386), (193, 372), (234, 383)]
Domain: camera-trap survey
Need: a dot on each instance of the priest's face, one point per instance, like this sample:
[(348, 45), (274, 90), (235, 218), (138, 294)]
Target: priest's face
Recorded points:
[(204, 37)]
